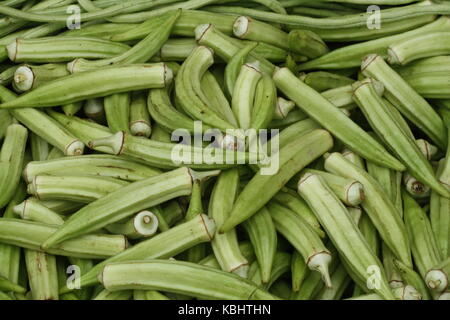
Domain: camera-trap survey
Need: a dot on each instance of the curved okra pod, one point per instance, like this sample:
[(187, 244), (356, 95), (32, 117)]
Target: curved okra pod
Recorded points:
[(139, 117), (117, 112), (412, 278), (299, 271), (350, 56), (30, 235), (244, 93), (199, 281), (298, 232), (289, 160), (322, 81), (328, 116), (85, 189), (263, 236), (60, 49), (265, 103), (61, 206), (139, 53), (424, 46), (126, 201), (235, 64), (405, 99), (162, 246), (34, 210), (42, 276), (90, 165), (377, 204), (108, 80), (142, 225), (225, 245), (28, 77), (11, 159), (438, 277), (349, 191), (423, 242), (343, 231), (406, 149)]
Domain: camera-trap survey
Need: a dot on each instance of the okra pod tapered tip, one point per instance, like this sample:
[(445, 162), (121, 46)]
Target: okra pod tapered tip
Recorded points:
[(145, 223), (114, 142), (140, 129), (75, 148), (23, 78), (436, 280), (320, 262)]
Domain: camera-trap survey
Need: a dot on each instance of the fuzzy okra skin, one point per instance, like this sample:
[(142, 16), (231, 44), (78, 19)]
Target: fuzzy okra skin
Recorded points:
[(298, 232), (31, 235), (162, 246), (90, 165), (290, 159), (180, 277), (124, 202), (406, 149), (328, 116), (108, 80), (405, 99), (343, 231), (225, 246), (11, 161), (377, 205)]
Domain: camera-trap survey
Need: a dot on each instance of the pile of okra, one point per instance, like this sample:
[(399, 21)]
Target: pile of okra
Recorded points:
[(116, 117)]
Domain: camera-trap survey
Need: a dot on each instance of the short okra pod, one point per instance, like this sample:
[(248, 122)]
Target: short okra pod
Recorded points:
[(199, 281), (28, 77), (42, 276), (263, 236), (423, 242), (322, 81), (142, 225), (307, 43), (85, 189), (60, 49), (117, 112), (126, 201), (90, 165), (31, 235), (298, 232), (162, 246), (291, 158), (377, 204), (332, 119), (108, 80), (12, 158), (139, 117), (412, 278), (429, 45), (438, 277), (349, 191), (34, 210), (225, 246), (405, 99), (392, 271)]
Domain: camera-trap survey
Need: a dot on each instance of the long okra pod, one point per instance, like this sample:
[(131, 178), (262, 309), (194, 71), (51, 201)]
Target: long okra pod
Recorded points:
[(263, 236), (343, 231), (139, 117), (298, 232), (125, 201), (31, 235), (162, 246), (225, 246), (108, 80), (405, 99), (289, 160), (333, 120), (117, 111), (377, 205)]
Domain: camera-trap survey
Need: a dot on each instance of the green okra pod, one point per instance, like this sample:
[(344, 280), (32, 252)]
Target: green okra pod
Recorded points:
[(118, 295), (39, 147), (343, 231), (412, 278), (290, 159), (72, 108), (333, 120), (117, 112), (405, 99), (31, 235), (85, 189), (139, 117), (322, 81), (42, 275), (299, 271), (263, 236), (281, 265), (32, 209), (7, 75), (8, 286), (298, 232), (148, 295), (28, 77), (225, 246), (94, 109), (60, 49), (426, 65), (265, 103), (437, 278), (108, 80), (431, 85), (126, 201), (307, 43), (377, 204), (340, 281), (202, 282), (142, 225), (283, 107), (162, 246)]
